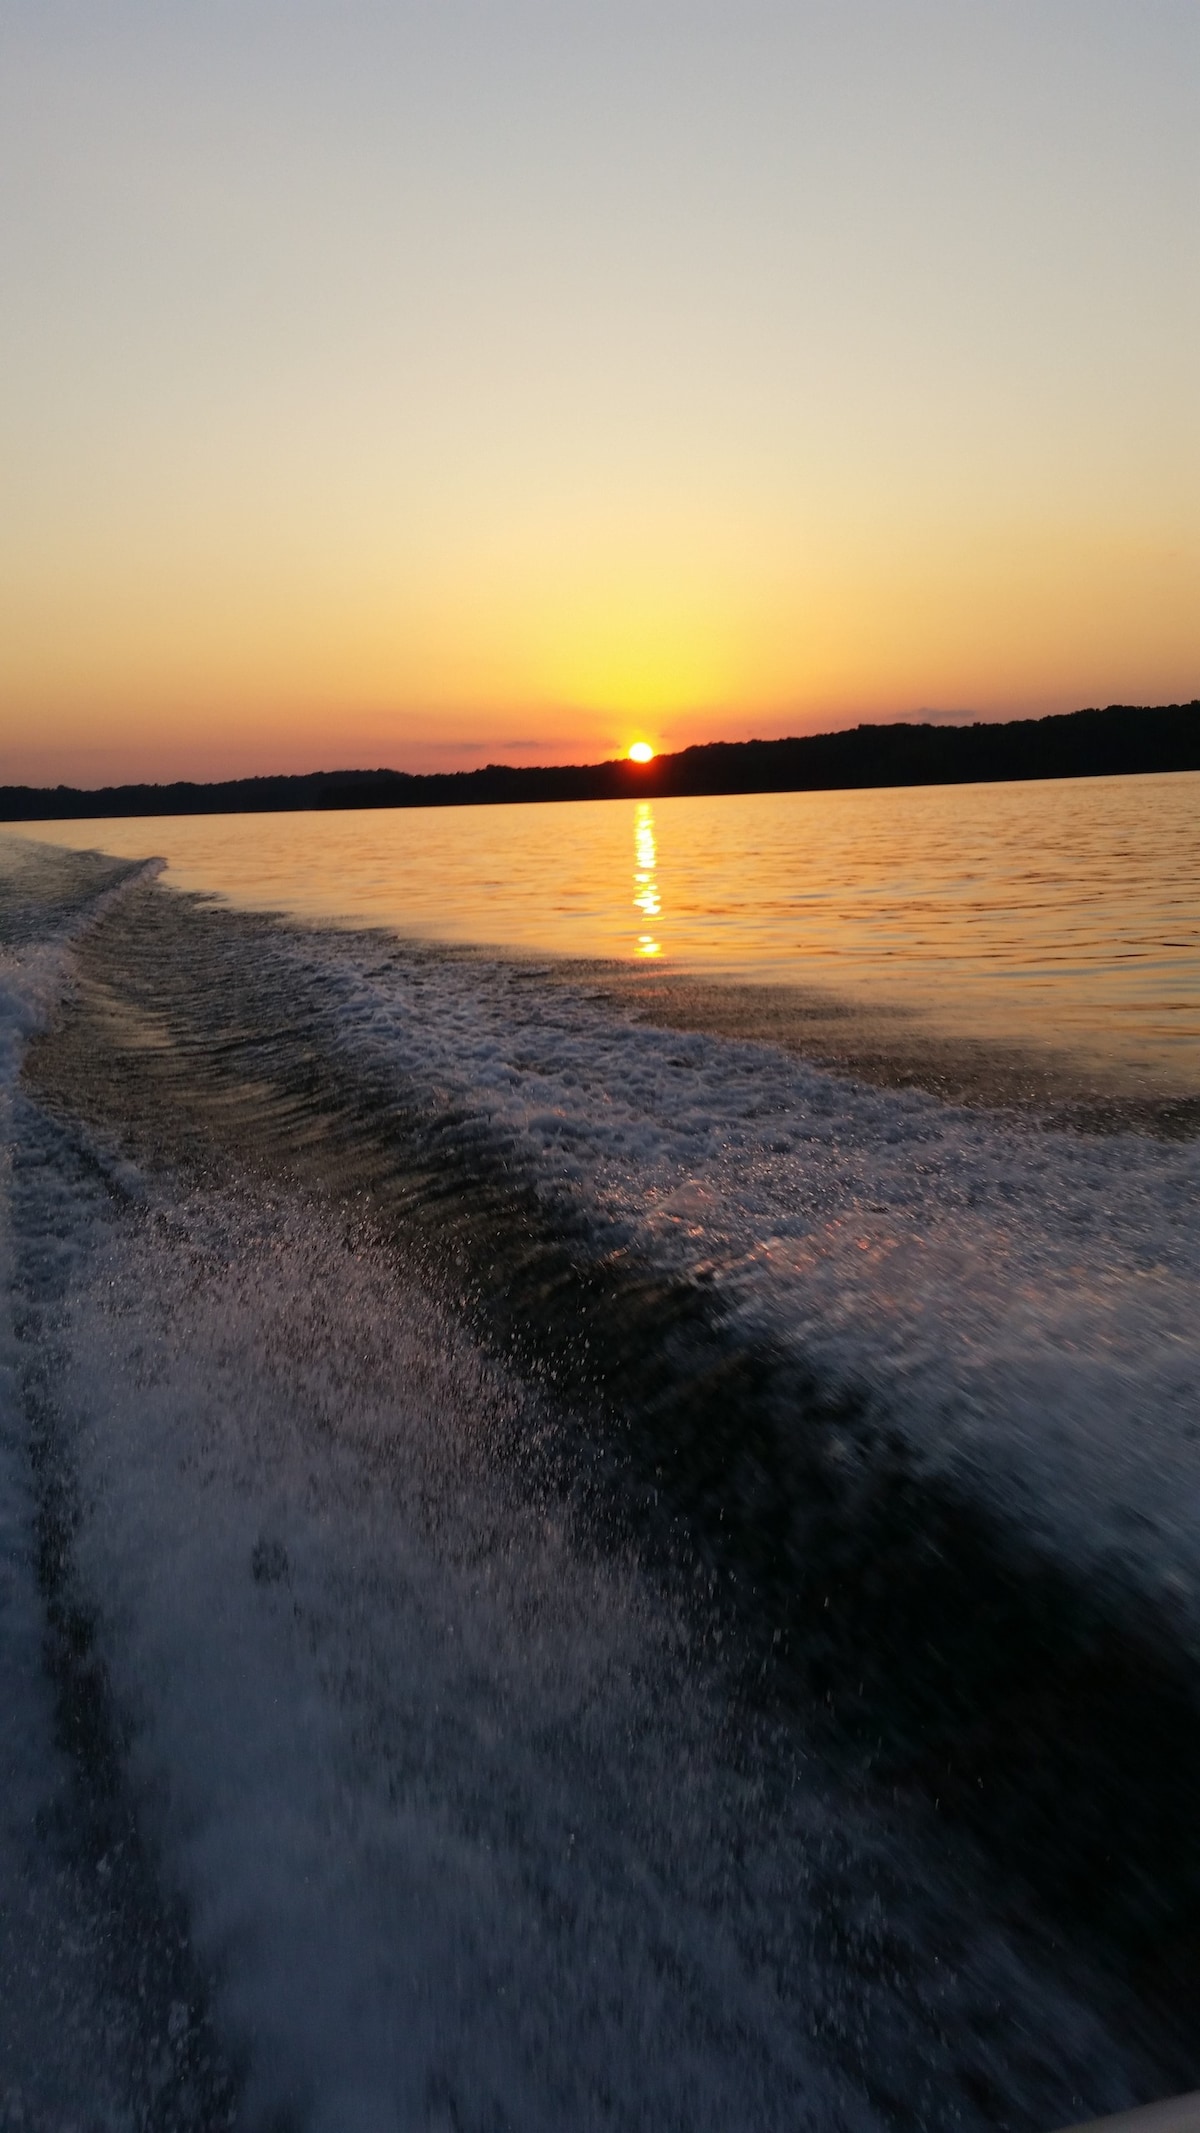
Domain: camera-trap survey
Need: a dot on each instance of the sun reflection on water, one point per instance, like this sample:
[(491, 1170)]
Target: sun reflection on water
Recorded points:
[(645, 882)]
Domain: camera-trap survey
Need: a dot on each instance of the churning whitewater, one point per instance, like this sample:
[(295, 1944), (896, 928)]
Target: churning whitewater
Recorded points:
[(557, 1573)]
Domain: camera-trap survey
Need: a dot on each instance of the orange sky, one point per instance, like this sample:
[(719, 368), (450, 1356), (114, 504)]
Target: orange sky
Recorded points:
[(423, 388)]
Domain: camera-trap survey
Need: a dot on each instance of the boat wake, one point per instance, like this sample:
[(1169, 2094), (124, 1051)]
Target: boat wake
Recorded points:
[(586, 1575)]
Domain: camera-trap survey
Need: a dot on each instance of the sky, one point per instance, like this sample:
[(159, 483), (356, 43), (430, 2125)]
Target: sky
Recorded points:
[(510, 380)]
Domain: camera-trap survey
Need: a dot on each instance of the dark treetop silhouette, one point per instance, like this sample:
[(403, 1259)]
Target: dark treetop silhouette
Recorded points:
[(1124, 738)]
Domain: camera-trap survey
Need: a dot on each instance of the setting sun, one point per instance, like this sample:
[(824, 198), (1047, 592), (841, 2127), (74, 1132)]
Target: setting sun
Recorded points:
[(641, 752)]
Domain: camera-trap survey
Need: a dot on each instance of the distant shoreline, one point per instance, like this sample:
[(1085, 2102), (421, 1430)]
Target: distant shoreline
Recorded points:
[(1121, 740)]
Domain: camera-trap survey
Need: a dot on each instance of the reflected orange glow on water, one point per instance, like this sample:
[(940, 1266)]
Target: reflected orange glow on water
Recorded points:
[(1066, 912), (646, 896)]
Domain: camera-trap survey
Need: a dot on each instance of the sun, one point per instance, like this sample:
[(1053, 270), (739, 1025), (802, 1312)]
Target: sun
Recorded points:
[(641, 752)]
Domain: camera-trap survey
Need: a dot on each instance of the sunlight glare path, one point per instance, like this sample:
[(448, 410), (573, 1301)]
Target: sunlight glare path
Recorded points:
[(646, 897)]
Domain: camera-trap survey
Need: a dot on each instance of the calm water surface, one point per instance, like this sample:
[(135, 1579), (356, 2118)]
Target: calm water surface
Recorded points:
[(1064, 913)]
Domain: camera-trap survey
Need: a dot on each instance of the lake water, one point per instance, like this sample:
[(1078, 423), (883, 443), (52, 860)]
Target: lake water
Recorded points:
[(1062, 914), (599, 1549)]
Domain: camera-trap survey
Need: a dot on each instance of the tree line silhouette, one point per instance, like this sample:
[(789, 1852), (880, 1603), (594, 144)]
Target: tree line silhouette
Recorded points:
[(1119, 740)]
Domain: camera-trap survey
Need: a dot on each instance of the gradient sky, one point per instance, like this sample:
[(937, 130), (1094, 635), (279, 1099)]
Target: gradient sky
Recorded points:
[(430, 384)]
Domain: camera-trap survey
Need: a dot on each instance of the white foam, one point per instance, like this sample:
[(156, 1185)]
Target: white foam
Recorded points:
[(461, 1826), (62, 2042), (1020, 1301)]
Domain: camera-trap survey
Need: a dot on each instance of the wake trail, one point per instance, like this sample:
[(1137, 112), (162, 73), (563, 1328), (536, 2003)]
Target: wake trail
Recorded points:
[(461, 1474)]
